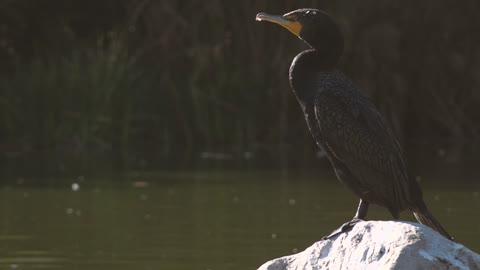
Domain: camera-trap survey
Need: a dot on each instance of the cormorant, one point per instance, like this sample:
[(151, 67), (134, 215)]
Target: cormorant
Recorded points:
[(363, 150)]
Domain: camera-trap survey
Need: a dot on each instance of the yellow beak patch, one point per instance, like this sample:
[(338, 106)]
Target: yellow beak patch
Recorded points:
[(287, 22)]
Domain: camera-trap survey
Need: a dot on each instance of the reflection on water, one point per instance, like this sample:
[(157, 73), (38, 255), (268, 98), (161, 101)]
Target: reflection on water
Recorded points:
[(195, 221)]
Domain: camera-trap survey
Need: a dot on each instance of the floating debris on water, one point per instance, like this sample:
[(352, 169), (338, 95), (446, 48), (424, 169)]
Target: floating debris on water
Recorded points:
[(292, 201), (140, 184), (75, 187)]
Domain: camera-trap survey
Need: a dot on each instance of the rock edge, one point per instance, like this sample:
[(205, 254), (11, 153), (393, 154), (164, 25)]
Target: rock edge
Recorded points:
[(381, 245)]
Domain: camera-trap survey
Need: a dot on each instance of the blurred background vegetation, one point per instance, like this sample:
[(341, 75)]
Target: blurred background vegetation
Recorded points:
[(96, 86)]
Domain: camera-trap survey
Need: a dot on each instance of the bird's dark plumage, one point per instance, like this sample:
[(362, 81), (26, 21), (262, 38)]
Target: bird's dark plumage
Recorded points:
[(362, 148)]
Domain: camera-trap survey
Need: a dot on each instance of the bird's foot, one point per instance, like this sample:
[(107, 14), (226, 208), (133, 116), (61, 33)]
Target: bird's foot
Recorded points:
[(344, 228)]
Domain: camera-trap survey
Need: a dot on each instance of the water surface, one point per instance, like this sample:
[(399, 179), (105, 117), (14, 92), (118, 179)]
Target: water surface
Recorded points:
[(202, 220)]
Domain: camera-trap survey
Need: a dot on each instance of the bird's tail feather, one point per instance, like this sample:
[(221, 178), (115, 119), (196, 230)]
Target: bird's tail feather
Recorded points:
[(425, 217)]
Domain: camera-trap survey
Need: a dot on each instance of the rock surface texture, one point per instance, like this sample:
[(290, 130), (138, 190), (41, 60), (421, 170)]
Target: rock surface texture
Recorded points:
[(381, 245)]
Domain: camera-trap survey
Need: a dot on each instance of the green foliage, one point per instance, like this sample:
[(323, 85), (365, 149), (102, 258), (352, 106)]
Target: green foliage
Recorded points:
[(79, 104), (155, 83)]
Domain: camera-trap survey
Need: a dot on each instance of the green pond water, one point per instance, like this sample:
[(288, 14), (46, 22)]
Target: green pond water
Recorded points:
[(202, 220)]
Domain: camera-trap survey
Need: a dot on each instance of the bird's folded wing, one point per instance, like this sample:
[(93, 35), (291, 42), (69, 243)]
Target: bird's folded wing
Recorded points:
[(356, 134)]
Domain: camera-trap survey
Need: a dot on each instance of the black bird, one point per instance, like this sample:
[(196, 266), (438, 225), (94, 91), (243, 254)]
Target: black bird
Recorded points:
[(363, 150)]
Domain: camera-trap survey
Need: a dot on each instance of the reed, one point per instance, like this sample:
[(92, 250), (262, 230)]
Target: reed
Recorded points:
[(164, 81)]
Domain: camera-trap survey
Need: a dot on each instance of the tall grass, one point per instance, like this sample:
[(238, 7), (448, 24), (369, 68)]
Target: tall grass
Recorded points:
[(79, 105), (168, 80)]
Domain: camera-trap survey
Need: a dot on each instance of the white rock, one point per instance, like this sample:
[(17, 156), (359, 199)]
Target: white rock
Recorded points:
[(381, 245)]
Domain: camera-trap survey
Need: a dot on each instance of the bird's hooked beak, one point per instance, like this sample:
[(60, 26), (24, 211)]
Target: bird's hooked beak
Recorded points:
[(288, 21)]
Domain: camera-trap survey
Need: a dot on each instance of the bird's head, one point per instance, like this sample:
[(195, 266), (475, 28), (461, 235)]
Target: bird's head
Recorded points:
[(313, 26)]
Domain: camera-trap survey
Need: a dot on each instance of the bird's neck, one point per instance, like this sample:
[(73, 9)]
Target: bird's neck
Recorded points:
[(305, 73)]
